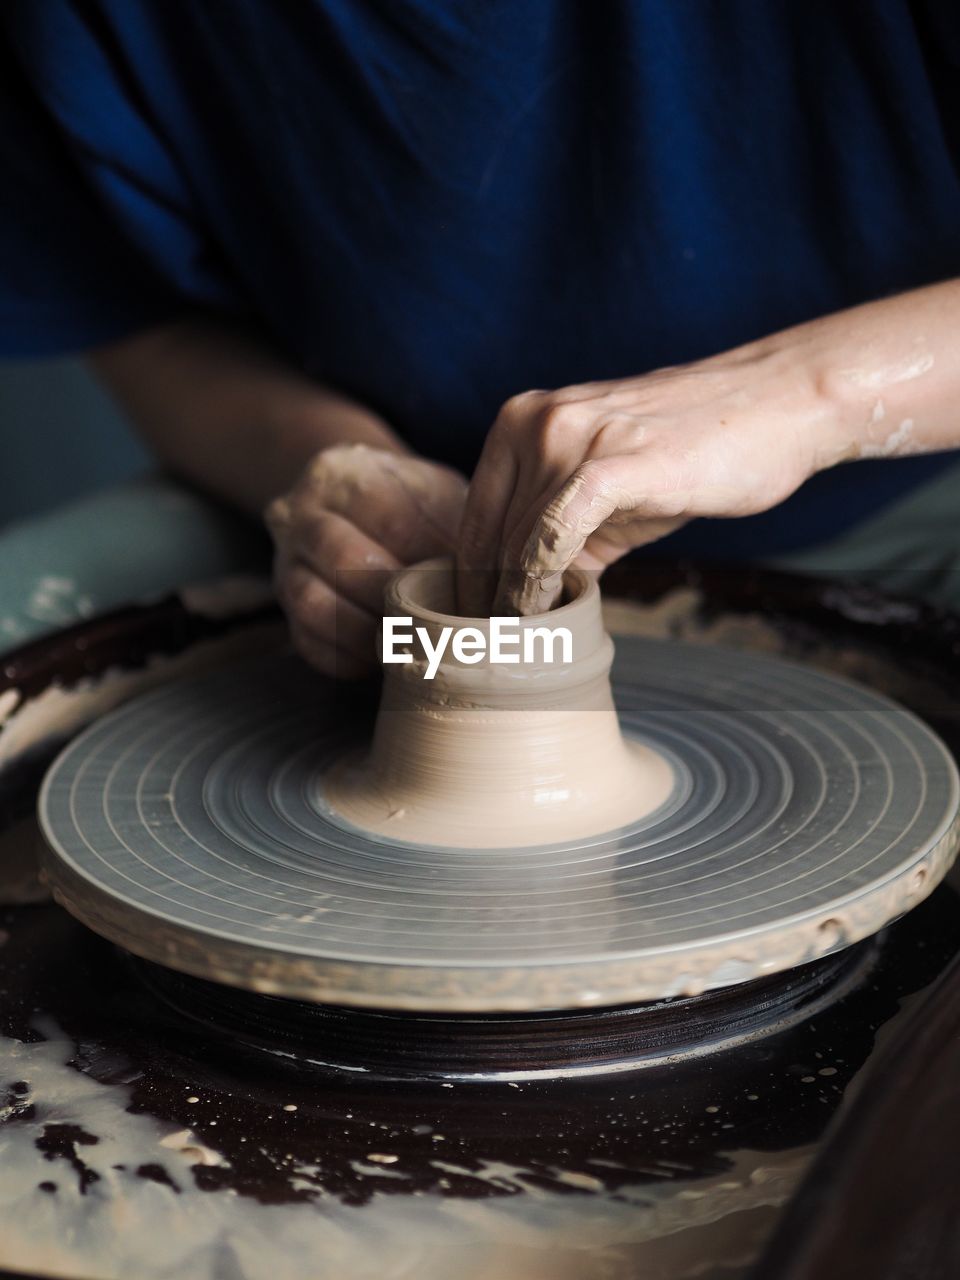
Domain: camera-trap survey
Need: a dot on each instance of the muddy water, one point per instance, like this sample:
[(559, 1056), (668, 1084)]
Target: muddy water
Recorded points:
[(134, 1143)]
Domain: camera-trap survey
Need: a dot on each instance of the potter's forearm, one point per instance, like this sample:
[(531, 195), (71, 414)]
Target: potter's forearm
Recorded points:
[(888, 374), (590, 471), (223, 410)]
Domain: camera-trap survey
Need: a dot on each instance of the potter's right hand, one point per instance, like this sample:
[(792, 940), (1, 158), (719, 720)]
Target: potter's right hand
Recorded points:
[(586, 473), (355, 515)]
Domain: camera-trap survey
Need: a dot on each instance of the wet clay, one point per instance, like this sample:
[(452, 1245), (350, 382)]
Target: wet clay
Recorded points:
[(499, 756), (138, 1143)]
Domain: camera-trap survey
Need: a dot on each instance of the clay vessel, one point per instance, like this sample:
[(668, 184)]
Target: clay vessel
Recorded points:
[(490, 756)]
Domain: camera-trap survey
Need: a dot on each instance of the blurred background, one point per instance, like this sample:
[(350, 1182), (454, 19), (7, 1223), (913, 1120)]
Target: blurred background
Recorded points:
[(63, 437)]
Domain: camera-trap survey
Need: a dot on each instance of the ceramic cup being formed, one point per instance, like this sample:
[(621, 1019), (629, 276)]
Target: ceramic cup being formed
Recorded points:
[(488, 755)]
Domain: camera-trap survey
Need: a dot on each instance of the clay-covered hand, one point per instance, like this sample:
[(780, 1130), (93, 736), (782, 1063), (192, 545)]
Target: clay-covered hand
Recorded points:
[(356, 514), (585, 474)]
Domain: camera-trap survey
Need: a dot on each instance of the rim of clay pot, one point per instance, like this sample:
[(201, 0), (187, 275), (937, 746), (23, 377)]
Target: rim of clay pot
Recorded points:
[(580, 613), (578, 587)]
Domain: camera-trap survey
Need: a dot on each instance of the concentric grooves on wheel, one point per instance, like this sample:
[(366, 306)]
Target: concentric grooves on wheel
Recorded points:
[(189, 826)]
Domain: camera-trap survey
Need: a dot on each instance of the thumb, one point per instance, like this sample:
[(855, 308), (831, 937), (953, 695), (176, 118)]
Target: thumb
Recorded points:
[(560, 531)]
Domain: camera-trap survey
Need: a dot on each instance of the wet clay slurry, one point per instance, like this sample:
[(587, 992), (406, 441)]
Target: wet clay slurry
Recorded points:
[(499, 756), (136, 1141)]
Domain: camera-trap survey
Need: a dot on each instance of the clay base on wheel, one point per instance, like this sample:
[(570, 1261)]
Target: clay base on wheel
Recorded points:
[(507, 755)]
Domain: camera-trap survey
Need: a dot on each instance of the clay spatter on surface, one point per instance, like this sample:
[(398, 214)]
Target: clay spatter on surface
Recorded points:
[(134, 1143)]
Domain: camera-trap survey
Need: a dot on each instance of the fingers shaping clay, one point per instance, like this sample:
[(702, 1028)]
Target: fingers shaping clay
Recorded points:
[(498, 755)]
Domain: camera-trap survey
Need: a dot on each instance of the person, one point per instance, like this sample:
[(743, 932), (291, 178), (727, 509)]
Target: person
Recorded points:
[(626, 265)]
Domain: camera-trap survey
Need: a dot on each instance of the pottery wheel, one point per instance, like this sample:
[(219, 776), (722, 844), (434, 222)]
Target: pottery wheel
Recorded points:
[(189, 827)]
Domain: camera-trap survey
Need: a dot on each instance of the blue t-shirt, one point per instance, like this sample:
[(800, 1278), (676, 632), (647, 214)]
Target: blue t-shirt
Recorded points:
[(433, 204)]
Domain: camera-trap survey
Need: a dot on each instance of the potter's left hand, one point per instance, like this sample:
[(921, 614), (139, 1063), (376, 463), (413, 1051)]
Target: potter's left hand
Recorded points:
[(584, 474)]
